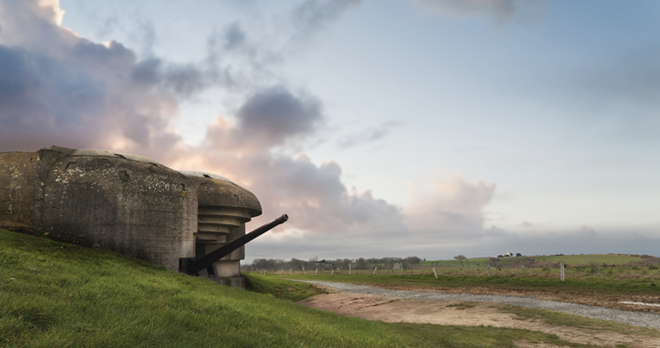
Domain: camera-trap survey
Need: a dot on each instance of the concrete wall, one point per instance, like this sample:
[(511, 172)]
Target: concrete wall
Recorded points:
[(17, 179), (100, 199), (136, 207)]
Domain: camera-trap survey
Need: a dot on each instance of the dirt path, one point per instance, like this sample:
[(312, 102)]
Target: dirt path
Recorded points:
[(393, 309)]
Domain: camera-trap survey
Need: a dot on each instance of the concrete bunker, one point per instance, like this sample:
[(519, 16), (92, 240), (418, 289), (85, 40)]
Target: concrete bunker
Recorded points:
[(128, 204)]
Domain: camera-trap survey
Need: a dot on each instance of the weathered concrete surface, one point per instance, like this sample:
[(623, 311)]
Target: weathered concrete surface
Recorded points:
[(216, 191), (100, 199), (138, 208), (17, 180)]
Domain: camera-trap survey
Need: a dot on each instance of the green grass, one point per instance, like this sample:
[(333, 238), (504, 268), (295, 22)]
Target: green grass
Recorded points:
[(580, 280), (474, 263), (54, 294), (284, 289), (507, 261), (589, 259)]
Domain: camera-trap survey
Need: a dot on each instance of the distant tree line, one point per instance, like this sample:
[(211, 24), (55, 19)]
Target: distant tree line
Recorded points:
[(315, 263)]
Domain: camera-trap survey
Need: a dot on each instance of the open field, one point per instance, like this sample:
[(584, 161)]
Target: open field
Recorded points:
[(55, 294), (599, 259), (605, 280), (475, 263)]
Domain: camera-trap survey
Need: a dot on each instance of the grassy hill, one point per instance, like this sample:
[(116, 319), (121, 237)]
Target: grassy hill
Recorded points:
[(54, 294)]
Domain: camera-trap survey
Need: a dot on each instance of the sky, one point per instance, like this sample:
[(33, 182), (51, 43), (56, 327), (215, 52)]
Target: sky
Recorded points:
[(430, 128)]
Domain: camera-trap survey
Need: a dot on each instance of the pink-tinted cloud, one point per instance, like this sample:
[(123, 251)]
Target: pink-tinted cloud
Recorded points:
[(453, 207)]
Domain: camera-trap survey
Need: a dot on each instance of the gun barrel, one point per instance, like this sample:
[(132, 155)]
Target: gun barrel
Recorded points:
[(195, 266)]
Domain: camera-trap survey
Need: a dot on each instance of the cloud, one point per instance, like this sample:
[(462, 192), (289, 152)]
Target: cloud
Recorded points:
[(274, 114), (146, 36), (531, 226), (77, 93), (59, 88), (587, 231), (452, 208), (233, 36), (368, 135), (319, 200), (313, 195), (499, 10), (494, 231), (309, 17)]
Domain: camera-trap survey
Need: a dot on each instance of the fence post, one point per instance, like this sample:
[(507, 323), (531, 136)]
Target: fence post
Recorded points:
[(333, 272), (281, 271), (317, 271), (349, 268), (435, 273), (561, 266), (488, 266), (374, 271)]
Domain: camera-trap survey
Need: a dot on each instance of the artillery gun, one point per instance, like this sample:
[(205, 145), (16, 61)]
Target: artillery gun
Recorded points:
[(204, 265)]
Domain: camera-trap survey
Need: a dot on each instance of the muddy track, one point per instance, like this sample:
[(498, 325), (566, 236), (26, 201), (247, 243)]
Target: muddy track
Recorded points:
[(648, 320), (406, 304), (584, 298), (440, 312)]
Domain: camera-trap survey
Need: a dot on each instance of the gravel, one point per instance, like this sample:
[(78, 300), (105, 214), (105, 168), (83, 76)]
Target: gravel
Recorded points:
[(631, 318)]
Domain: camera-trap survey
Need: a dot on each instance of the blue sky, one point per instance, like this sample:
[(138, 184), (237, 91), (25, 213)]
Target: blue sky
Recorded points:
[(384, 128)]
